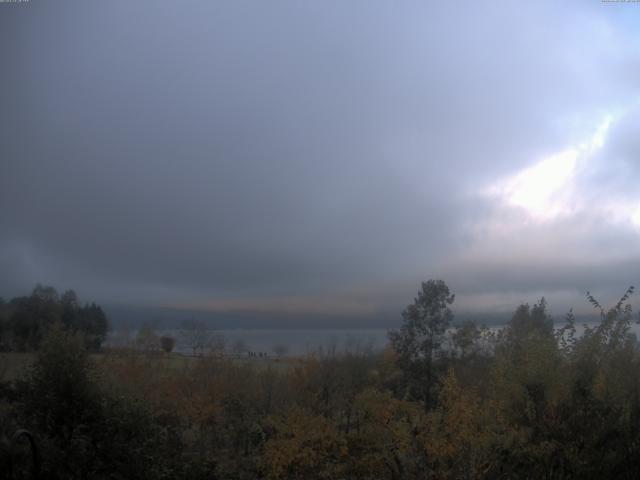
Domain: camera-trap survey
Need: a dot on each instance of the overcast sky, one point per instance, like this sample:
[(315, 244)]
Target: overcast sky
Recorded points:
[(320, 157)]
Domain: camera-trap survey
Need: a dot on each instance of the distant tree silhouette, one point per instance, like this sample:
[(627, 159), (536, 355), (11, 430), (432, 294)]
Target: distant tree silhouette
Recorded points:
[(196, 335), (167, 343), (32, 316), (147, 339)]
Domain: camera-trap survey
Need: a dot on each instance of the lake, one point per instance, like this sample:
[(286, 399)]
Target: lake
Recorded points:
[(296, 341)]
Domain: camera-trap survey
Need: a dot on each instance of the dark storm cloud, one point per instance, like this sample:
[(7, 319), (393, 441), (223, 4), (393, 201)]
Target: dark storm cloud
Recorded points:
[(176, 152)]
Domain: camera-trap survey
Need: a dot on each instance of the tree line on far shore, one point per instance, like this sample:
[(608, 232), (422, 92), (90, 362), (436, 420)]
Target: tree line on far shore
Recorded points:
[(24, 321)]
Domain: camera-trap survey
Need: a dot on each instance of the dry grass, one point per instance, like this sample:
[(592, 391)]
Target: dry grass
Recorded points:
[(14, 364)]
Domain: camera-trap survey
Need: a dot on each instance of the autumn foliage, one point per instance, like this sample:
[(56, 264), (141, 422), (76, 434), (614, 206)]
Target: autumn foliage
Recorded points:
[(525, 401)]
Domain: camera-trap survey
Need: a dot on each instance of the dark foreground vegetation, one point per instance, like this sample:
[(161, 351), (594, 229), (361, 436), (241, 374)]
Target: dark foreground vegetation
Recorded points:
[(525, 402)]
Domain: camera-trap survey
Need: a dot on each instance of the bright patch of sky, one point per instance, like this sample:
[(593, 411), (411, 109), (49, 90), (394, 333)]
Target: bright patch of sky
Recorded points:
[(546, 189)]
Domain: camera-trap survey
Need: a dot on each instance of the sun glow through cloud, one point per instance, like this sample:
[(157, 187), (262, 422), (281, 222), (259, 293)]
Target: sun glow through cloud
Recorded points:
[(635, 216), (536, 188), (545, 190)]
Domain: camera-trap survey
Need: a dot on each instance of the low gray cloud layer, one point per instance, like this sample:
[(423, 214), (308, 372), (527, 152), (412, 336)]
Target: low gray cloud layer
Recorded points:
[(313, 156)]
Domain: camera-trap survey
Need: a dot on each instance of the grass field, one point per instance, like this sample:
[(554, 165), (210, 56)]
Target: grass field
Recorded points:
[(15, 364), (178, 361)]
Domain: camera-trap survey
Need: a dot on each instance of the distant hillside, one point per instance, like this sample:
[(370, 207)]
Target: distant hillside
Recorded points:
[(169, 318)]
